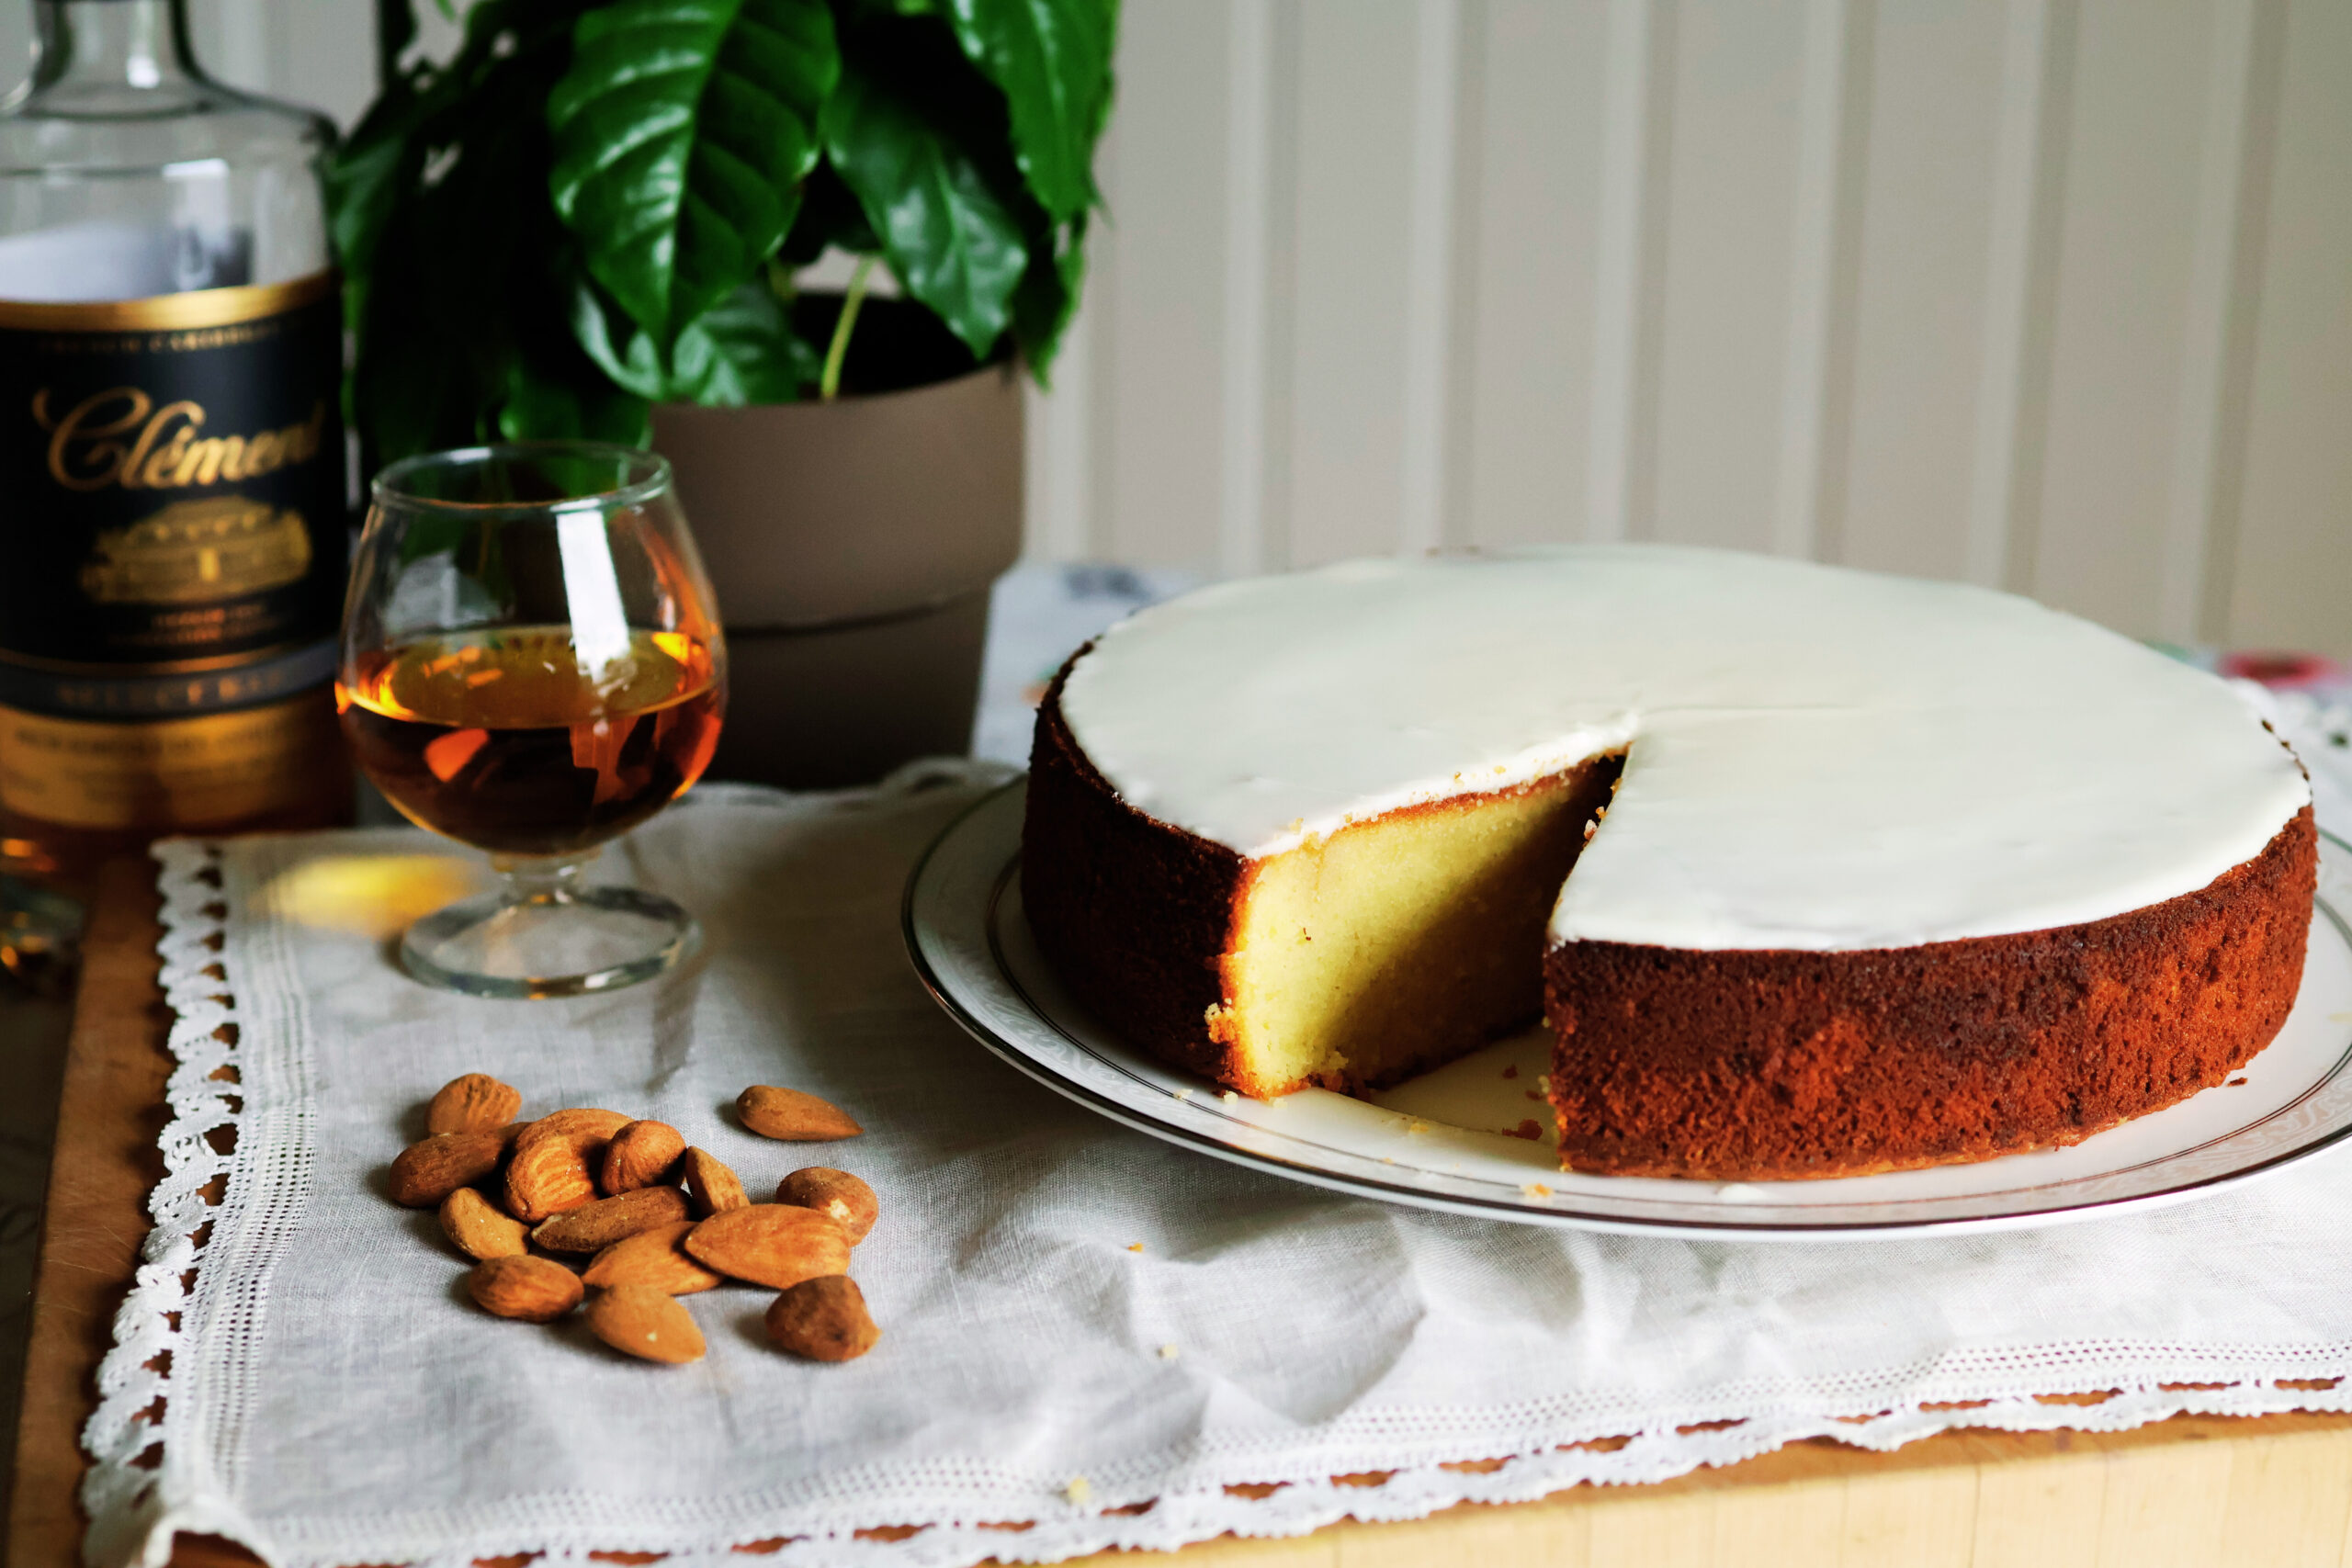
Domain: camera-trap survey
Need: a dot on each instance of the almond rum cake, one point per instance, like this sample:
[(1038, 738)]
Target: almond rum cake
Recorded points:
[(1813, 871)]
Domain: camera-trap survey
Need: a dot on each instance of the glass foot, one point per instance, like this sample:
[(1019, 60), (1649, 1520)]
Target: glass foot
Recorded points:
[(549, 940)]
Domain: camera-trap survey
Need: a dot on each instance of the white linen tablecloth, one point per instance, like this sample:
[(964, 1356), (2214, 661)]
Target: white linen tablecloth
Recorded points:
[(1087, 1335)]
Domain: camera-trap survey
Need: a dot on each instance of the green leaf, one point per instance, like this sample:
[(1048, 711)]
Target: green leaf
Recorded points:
[(625, 353), (1052, 61), (1049, 297), (540, 406), (363, 184), (682, 130), (829, 217), (742, 351), (951, 241), (457, 281), (395, 30)]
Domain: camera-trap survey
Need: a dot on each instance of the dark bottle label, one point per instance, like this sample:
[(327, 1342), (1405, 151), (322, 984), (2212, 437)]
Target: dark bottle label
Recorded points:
[(173, 470), (172, 533)]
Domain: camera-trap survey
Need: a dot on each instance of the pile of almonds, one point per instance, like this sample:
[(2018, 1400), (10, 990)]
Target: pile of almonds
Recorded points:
[(650, 1219)]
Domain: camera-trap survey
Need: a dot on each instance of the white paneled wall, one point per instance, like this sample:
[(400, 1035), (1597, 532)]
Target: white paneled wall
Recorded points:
[(2054, 294)]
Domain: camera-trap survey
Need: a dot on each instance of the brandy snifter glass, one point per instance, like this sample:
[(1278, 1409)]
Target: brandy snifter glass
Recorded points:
[(531, 664)]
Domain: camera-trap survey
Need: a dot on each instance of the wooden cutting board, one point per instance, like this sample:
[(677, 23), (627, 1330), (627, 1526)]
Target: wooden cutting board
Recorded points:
[(2201, 1491)]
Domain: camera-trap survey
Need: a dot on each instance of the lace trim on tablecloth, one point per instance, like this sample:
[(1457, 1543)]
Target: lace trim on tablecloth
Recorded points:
[(1132, 1511), (940, 1517), (123, 1492)]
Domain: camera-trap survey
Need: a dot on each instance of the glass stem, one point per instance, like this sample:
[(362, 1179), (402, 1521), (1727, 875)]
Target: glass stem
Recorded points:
[(543, 879)]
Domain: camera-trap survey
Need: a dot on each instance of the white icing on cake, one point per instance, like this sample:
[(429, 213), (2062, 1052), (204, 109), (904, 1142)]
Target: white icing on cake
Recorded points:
[(1819, 759)]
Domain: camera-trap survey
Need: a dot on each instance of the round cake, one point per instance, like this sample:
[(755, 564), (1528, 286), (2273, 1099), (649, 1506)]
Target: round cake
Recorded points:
[(1813, 871)]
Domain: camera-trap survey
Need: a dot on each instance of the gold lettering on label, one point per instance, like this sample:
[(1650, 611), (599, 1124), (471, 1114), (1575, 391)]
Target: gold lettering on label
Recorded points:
[(103, 454), (140, 469), (86, 451)]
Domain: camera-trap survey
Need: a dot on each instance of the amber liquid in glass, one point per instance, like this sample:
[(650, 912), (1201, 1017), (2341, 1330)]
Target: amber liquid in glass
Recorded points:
[(501, 740)]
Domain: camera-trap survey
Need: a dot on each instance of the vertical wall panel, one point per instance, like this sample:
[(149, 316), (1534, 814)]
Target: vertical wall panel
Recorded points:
[(1919, 295), (2224, 296), (1740, 71), (1629, 270), (2292, 577), (1824, 261), (2122, 316), (1431, 244), (1162, 488), (1355, 168), (1058, 480), (1253, 34), (1521, 462), (2021, 289), (310, 47)]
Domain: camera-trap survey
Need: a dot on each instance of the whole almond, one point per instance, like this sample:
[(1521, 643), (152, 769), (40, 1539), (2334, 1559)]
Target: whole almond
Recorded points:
[(640, 1154), (652, 1257), (642, 1322), (585, 1129), (793, 1117), (770, 1244), (429, 1170), (824, 1319), (711, 1186), (595, 1226), (546, 1179), (533, 1289), (834, 1192), (476, 1228), (474, 1103)]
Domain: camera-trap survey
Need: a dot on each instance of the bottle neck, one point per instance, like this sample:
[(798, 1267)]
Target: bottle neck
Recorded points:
[(135, 44)]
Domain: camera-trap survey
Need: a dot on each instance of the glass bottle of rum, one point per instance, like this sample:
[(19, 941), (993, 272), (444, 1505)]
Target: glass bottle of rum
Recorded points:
[(174, 496)]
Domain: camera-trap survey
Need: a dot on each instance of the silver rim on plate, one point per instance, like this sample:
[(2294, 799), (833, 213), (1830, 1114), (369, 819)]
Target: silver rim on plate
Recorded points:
[(969, 945)]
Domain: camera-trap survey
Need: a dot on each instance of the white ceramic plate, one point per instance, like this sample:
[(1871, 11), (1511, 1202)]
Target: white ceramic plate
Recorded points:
[(1473, 1138)]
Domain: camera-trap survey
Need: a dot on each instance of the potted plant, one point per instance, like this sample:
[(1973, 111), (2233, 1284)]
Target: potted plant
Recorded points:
[(591, 221)]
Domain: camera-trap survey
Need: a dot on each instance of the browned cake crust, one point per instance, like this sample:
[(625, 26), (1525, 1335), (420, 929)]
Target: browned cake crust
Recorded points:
[(1766, 1066), (1132, 913)]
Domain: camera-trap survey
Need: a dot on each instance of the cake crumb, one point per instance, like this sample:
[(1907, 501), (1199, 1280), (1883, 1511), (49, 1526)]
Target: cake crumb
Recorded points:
[(2237, 1083), (1544, 1084), (1511, 1071), (1169, 1352), (1229, 1097), (1415, 1126), (1079, 1490), (1534, 1189), (1184, 1094), (1135, 1247)]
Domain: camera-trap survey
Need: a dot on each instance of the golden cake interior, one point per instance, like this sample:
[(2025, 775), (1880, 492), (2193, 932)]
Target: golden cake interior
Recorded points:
[(1395, 943)]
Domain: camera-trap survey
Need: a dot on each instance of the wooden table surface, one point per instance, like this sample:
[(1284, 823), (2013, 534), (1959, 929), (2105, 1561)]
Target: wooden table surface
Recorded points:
[(2201, 1491)]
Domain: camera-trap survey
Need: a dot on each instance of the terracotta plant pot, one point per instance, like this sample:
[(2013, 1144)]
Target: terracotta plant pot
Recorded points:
[(852, 544)]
